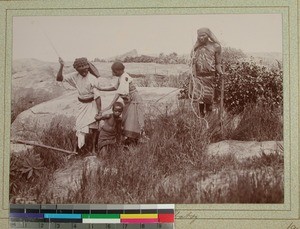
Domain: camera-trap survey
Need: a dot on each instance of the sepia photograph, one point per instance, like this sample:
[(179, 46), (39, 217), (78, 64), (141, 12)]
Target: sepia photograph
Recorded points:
[(147, 109)]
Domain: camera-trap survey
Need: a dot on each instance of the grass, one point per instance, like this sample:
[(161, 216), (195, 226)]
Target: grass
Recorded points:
[(173, 167), (259, 123), (156, 80)]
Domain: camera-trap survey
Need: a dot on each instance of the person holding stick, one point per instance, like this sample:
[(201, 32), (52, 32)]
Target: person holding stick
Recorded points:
[(86, 83), (206, 64)]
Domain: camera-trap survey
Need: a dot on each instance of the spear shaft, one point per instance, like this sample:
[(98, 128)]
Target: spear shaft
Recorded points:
[(42, 145)]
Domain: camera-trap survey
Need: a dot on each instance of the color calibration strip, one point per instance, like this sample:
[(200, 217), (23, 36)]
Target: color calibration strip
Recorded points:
[(81, 216)]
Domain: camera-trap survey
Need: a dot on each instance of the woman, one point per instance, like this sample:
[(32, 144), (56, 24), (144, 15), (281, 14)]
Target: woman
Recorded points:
[(206, 64)]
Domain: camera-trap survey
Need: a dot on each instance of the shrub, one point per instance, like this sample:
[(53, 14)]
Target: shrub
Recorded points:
[(247, 83)]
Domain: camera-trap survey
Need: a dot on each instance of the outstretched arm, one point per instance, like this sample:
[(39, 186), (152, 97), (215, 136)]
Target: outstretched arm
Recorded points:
[(112, 88), (59, 76), (97, 85)]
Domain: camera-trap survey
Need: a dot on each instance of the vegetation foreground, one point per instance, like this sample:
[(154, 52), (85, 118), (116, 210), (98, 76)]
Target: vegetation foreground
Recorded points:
[(172, 167)]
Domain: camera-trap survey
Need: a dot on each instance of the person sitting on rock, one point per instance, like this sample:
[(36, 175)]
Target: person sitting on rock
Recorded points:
[(86, 83), (133, 115), (110, 129)]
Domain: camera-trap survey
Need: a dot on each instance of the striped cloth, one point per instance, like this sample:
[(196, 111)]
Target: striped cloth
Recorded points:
[(201, 89)]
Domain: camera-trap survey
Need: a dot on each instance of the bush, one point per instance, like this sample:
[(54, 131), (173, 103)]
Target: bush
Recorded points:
[(247, 83), (172, 58)]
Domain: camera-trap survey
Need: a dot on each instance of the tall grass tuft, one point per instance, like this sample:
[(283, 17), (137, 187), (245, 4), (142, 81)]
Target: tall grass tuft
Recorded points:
[(260, 123)]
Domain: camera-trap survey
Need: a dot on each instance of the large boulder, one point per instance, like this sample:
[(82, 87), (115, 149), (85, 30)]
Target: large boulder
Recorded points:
[(34, 81), (69, 179), (245, 149), (30, 124)]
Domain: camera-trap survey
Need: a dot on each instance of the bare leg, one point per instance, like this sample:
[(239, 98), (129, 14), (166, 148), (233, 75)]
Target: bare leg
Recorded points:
[(75, 146), (94, 141), (208, 108), (201, 109), (104, 151)]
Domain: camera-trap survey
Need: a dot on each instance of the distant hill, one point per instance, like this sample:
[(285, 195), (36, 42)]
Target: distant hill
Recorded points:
[(132, 53)]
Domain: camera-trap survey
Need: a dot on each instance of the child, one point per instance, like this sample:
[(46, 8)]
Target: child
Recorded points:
[(132, 117), (110, 130)]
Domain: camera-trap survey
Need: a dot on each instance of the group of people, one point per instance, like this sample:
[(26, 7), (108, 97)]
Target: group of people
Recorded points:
[(105, 129), (206, 65)]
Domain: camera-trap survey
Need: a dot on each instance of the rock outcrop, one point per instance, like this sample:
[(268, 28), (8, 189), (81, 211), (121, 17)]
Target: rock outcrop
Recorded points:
[(244, 149), (30, 124), (71, 176)]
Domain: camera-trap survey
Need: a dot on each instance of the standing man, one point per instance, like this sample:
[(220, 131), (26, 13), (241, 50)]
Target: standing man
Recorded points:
[(86, 83), (206, 64)]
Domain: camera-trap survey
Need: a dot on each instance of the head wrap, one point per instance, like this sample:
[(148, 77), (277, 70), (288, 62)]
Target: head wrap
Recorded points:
[(207, 31), (82, 62), (210, 35)]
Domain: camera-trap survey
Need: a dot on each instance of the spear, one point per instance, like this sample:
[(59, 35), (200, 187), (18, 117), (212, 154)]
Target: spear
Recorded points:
[(46, 36), (41, 145), (222, 104)]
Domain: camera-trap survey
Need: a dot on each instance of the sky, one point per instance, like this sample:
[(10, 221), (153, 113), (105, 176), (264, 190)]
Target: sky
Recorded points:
[(48, 37)]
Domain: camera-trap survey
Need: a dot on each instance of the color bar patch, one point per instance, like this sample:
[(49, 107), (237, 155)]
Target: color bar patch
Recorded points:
[(27, 215), (138, 221), (62, 216), (101, 216), (166, 218), (95, 221), (139, 216)]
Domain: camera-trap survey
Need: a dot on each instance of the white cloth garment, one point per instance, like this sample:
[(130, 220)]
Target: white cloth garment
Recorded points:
[(87, 88), (124, 81)]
